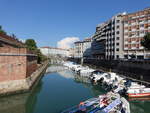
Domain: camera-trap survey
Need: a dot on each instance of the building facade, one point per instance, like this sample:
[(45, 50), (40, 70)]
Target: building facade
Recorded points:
[(82, 48), (71, 52), (78, 48), (136, 25), (107, 42), (16, 62), (48, 51), (87, 47)]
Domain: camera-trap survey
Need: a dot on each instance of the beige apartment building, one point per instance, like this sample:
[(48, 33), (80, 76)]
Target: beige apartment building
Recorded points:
[(108, 39), (82, 48), (136, 25)]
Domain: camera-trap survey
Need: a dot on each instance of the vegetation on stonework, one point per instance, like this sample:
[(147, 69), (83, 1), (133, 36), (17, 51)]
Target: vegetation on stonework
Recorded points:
[(146, 41), (2, 31), (31, 45)]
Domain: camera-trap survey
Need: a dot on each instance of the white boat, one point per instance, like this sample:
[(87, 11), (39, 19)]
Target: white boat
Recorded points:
[(138, 92), (98, 77), (78, 68), (107, 78), (135, 85), (86, 72)]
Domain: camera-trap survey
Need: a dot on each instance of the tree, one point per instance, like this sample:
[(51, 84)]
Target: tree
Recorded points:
[(40, 57), (1, 30), (31, 44), (146, 41)]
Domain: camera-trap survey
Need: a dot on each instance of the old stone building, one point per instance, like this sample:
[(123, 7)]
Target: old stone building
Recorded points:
[(16, 62)]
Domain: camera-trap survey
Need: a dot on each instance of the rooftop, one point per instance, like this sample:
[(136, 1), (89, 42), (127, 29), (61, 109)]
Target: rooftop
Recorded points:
[(11, 40)]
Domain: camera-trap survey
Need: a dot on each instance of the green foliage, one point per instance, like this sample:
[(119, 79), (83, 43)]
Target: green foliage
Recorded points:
[(1, 30), (31, 45), (146, 41), (40, 57)]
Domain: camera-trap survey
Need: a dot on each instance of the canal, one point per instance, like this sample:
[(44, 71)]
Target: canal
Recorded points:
[(57, 90)]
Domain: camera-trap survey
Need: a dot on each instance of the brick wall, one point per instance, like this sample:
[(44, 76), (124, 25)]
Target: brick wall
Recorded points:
[(31, 65), (15, 61), (12, 67)]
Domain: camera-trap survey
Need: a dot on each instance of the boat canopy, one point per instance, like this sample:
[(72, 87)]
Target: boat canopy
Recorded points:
[(111, 106)]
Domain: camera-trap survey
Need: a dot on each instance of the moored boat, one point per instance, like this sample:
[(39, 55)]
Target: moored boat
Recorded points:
[(138, 92), (108, 103)]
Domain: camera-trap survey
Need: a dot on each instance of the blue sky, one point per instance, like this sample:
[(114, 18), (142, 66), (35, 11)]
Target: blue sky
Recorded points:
[(48, 21)]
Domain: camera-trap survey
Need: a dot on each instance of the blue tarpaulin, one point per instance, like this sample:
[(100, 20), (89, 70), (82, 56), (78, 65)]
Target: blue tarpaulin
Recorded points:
[(111, 106)]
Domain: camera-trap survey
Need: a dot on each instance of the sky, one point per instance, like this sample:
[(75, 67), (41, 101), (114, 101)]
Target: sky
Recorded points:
[(50, 22)]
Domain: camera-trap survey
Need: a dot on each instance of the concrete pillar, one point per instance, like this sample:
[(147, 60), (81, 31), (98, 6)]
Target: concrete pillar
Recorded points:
[(81, 60)]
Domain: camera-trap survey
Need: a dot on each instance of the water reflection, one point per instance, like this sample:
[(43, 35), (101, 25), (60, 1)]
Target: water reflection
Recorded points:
[(59, 89), (66, 74), (20, 102), (81, 79), (55, 68), (140, 106)]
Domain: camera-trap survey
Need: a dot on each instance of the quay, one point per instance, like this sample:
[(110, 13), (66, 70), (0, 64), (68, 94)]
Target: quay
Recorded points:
[(19, 70), (23, 85), (134, 70)]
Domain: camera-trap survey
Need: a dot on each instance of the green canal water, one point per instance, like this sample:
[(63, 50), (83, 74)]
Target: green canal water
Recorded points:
[(57, 91)]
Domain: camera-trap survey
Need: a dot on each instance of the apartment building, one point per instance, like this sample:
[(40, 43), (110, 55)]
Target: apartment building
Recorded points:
[(135, 26), (98, 42), (82, 48), (107, 42), (87, 47), (78, 47), (71, 52)]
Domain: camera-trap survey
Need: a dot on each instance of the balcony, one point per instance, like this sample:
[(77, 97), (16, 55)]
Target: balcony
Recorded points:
[(142, 16), (100, 38), (133, 42), (142, 22), (125, 30), (133, 48), (141, 35), (126, 36), (134, 23), (126, 48), (141, 28), (133, 36), (141, 47), (126, 25), (126, 42)]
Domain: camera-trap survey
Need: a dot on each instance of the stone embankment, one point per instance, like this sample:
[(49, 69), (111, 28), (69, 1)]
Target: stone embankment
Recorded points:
[(23, 85)]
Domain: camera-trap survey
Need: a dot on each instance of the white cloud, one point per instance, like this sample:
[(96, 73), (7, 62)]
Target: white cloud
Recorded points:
[(67, 42)]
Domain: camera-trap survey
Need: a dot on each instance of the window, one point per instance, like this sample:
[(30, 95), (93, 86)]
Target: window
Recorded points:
[(126, 22), (118, 27), (118, 38), (142, 25), (117, 32), (117, 49), (117, 56), (141, 32), (118, 21), (117, 44)]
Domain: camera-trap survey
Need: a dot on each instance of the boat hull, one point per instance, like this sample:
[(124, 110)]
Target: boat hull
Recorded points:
[(135, 95)]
